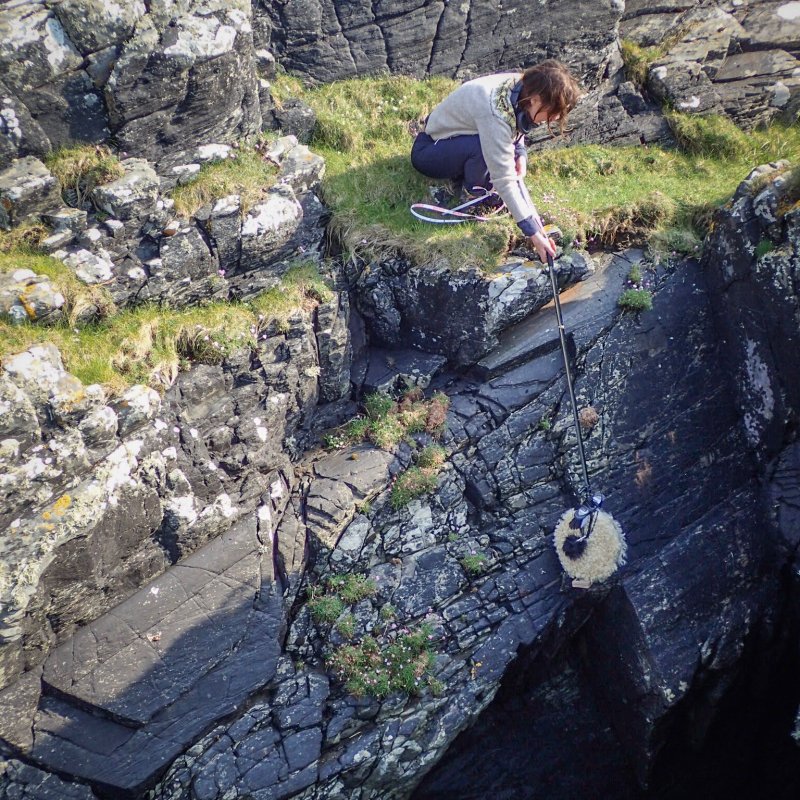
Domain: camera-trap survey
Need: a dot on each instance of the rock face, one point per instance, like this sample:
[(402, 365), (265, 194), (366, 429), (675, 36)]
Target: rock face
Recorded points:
[(455, 314), (330, 40), (734, 58), (102, 496), (158, 77)]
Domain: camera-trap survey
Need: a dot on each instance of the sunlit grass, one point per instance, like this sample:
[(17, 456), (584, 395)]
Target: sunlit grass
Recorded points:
[(151, 343), (614, 195), (247, 174)]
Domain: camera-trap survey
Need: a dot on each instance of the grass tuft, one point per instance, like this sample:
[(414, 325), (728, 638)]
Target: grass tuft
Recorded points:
[(637, 60), (248, 174), (413, 483), (80, 168), (376, 667), (636, 300)]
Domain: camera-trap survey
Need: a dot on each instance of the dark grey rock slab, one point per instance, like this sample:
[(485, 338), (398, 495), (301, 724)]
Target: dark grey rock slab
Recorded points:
[(20, 781), (648, 656), (364, 469), (139, 658), (587, 307), (784, 490), (132, 690), (404, 368)]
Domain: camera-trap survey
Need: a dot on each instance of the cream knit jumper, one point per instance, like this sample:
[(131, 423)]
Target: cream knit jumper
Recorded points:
[(483, 106)]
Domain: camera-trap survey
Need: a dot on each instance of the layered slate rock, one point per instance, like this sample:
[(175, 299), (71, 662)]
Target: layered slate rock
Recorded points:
[(751, 263), (26, 188), (330, 40), (43, 69), (136, 687), (185, 77), (101, 496), (669, 452), (728, 58)]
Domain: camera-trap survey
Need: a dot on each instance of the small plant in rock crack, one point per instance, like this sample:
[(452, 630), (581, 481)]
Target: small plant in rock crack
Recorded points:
[(346, 626), (762, 248), (352, 588), (412, 483), (636, 300), (474, 563), (325, 608), (397, 661), (544, 424), (387, 422)]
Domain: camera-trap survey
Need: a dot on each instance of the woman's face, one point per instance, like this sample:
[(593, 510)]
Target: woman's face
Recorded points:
[(538, 113)]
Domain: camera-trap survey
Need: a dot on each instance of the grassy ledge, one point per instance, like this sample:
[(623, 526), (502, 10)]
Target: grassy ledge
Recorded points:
[(79, 168), (247, 174), (597, 194), (150, 343)]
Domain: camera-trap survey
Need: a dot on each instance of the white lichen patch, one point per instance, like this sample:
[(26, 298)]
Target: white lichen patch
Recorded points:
[(759, 399), (28, 553), (789, 11)]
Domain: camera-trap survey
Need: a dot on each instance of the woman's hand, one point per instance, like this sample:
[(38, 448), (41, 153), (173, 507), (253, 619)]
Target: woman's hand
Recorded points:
[(543, 245), (521, 163)]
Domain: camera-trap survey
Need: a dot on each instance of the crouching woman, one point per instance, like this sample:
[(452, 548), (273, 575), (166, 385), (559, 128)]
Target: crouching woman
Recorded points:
[(475, 136)]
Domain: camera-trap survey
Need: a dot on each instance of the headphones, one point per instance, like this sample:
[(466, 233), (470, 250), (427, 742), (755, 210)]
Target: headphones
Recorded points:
[(524, 123)]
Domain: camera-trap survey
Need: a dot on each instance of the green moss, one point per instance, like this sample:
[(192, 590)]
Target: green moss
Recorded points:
[(248, 174), (763, 247)]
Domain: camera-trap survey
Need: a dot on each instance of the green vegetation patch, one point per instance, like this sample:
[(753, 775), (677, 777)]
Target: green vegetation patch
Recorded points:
[(413, 483), (596, 194), (248, 174), (636, 300), (80, 168), (474, 563), (637, 60), (387, 421), (352, 588), (377, 667), (149, 344)]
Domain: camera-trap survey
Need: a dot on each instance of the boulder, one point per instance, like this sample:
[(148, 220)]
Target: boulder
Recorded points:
[(182, 79), (26, 188), (94, 25), (133, 195), (267, 226), (296, 118), (28, 297)]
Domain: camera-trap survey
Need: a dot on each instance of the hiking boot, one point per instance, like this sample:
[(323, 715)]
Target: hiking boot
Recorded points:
[(443, 195), (492, 204)]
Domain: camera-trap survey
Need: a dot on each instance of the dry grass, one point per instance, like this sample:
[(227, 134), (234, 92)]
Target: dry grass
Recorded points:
[(79, 168)]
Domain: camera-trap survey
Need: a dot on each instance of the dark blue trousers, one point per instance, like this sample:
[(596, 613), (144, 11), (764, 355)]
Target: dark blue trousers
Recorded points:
[(458, 158)]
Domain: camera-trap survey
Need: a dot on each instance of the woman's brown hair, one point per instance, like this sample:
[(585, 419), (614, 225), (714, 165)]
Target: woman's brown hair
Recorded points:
[(555, 86)]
